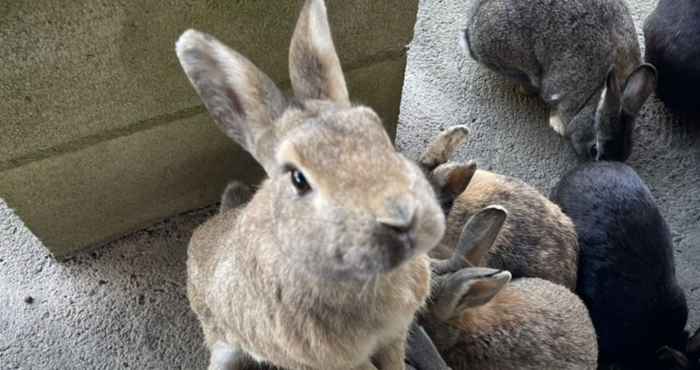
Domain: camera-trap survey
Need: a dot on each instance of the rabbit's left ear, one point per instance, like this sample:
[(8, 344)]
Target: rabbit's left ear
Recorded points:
[(314, 66)]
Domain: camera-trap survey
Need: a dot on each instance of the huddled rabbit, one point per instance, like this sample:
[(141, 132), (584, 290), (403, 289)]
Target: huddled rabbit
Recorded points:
[(572, 53), (326, 266), (672, 38), (538, 239), (627, 276), (478, 320)]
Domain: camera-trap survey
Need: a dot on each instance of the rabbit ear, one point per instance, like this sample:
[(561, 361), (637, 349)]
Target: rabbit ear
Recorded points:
[(608, 126), (452, 179), (609, 105), (640, 84), (243, 101), (314, 66), (443, 147), (467, 288), (421, 351), (477, 237), (480, 233)]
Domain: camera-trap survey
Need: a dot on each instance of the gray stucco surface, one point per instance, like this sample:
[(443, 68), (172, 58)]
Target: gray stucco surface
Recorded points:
[(510, 133)]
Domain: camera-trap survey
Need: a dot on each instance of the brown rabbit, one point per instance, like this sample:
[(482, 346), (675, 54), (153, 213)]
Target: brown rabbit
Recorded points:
[(478, 320), (325, 267), (538, 239)]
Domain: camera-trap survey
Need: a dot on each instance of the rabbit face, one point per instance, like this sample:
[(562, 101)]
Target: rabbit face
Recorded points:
[(355, 206), (582, 134), (603, 129), (343, 203)]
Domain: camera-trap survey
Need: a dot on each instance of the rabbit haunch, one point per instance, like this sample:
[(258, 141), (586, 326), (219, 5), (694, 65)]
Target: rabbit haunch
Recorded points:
[(326, 265)]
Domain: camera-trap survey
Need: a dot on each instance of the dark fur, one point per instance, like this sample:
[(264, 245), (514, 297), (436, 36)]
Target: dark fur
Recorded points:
[(672, 37), (626, 272)]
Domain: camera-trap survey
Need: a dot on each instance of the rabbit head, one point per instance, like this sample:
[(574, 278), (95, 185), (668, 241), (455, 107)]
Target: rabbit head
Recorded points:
[(448, 179), (538, 240), (602, 129), (342, 202)]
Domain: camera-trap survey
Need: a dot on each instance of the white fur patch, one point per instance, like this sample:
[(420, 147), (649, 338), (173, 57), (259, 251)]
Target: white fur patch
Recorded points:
[(602, 99), (223, 356), (556, 123), (554, 98)]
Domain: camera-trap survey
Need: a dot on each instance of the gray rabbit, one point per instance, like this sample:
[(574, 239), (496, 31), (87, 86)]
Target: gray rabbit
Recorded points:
[(572, 53)]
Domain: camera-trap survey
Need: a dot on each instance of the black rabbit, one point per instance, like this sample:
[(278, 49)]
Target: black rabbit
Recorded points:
[(672, 38), (626, 273)]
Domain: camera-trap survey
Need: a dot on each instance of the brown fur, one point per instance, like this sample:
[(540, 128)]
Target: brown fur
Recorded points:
[(326, 265), (479, 321), (531, 324), (538, 240)]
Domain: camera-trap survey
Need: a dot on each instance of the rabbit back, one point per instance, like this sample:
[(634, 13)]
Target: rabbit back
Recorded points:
[(561, 49), (672, 39), (537, 239), (531, 324), (626, 272)]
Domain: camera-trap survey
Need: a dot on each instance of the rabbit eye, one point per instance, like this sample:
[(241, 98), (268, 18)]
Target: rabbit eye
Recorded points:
[(594, 151), (299, 182)]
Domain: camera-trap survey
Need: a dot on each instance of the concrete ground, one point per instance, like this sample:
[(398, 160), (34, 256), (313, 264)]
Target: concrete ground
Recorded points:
[(510, 133), (124, 305)]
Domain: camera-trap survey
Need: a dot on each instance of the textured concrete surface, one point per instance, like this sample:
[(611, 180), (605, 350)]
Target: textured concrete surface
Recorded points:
[(102, 133), (510, 134), (119, 307)]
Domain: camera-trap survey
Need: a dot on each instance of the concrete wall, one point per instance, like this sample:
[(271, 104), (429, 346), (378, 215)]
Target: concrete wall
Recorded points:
[(510, 133), (101, 132)]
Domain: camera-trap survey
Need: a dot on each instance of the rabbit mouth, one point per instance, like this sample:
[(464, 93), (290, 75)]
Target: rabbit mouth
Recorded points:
[(386, 253)]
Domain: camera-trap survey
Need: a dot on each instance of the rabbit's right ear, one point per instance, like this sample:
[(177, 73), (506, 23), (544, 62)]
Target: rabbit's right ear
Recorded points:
[(243, 101), (468, 288), (314, 66)]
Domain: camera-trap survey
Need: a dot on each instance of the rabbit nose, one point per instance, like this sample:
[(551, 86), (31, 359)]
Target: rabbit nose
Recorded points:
[(400, 214)]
